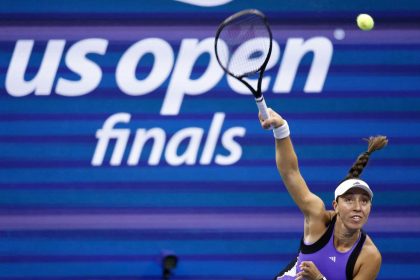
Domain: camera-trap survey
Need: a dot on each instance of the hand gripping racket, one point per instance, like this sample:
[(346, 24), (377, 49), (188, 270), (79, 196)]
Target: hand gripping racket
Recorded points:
[(243, 45)]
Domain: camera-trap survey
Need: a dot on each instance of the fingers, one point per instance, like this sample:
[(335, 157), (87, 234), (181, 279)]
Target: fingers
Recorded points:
[(301, 275), (307, 264), (266, 124), (274, 120), (308, 270), (270, 114)]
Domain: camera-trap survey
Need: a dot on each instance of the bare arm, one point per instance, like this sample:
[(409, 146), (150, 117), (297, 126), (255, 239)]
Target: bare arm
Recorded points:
[(287, 165), (370, 261)]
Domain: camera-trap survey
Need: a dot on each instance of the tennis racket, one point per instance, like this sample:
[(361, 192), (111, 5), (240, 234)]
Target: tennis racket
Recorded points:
[(243, 46)]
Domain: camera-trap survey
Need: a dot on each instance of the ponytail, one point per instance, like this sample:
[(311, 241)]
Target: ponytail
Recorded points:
[(374, 144)]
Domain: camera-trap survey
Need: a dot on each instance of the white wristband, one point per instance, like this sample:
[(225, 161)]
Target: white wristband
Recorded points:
[(281, 131)]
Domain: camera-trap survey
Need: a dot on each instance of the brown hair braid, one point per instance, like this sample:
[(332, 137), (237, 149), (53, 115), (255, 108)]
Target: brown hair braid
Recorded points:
[(374, 144)]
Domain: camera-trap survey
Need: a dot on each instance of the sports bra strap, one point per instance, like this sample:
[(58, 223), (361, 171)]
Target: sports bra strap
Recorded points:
[(320, 243), (354, 255)]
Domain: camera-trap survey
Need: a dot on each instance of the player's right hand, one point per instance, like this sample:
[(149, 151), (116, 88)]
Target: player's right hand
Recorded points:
[(274, 121)]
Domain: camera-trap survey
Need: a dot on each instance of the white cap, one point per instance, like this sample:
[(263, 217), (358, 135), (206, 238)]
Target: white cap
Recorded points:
[(352, 183)]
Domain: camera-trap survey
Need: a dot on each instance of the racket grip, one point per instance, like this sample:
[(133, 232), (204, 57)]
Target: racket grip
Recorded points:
[(262, 106)]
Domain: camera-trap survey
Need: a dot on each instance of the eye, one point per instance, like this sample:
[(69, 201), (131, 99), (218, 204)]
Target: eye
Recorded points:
[(365, 201), (348, 199)]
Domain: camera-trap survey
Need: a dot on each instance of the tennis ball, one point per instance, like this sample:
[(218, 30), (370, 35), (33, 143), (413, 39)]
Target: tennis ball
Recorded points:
[(365, 22)]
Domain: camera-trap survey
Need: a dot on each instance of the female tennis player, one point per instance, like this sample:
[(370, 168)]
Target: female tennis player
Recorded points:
[(333, 246)]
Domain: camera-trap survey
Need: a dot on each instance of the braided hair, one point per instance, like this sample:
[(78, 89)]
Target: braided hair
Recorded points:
[(374, 143)]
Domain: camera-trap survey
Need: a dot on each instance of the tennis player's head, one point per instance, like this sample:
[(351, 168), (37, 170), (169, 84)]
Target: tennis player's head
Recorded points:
[(353, 196)]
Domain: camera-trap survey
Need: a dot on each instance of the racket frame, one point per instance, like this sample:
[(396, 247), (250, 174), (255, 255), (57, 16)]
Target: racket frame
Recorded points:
[(259, 98)]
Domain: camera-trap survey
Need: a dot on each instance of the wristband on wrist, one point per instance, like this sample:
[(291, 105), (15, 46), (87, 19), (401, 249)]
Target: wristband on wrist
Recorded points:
[(322, 278), (282, 131)]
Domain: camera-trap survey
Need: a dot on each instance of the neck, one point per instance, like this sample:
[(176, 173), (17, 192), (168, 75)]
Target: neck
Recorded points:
[(344, 238)]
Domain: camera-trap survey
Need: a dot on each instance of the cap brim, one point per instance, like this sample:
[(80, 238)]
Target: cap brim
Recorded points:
[(349, 184)]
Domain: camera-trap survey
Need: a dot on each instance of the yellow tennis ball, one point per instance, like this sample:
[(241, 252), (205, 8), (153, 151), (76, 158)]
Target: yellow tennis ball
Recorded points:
[(365, 22)]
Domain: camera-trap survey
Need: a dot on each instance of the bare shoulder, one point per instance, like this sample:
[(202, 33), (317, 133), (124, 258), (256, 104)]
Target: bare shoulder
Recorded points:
[(316, 225), (369, 261), (369, 250)]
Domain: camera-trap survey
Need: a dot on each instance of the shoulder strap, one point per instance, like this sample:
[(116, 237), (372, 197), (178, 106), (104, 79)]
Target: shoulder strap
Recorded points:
[(292, 264), (354, 255), (318, 245)]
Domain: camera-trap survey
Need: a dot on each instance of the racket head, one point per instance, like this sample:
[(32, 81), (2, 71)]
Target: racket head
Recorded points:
[(243, 43)]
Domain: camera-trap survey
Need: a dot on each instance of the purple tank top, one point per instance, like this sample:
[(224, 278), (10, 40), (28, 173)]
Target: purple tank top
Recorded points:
[(330, 262)]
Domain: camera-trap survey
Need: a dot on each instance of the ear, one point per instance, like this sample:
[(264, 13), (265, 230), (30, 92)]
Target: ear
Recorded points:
[(335, 204)]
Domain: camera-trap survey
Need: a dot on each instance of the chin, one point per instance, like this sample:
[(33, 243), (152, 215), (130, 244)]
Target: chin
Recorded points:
[(356, 225)]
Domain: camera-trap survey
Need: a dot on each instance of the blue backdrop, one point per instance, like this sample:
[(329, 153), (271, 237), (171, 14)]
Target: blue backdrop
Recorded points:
[(121, 138)]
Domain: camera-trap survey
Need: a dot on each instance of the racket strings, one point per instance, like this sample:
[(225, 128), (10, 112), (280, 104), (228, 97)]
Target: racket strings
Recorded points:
[(248, 41)]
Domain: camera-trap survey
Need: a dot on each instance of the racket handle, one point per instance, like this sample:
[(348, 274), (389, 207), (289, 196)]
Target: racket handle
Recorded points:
[(262, 107)]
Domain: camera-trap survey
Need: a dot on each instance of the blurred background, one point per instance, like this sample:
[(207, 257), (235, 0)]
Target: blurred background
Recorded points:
[(122, 142)]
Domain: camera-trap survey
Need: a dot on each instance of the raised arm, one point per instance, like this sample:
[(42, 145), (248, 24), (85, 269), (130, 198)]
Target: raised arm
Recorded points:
[(287, 165)]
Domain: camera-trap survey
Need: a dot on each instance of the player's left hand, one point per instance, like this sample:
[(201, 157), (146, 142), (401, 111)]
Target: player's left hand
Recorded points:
[(308, 271)]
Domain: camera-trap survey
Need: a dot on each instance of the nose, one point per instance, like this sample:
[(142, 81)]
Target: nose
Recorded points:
[(357, 205)]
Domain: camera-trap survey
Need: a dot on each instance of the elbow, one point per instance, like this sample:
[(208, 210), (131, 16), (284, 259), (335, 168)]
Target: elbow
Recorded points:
[(289, 174), (287, 168)]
